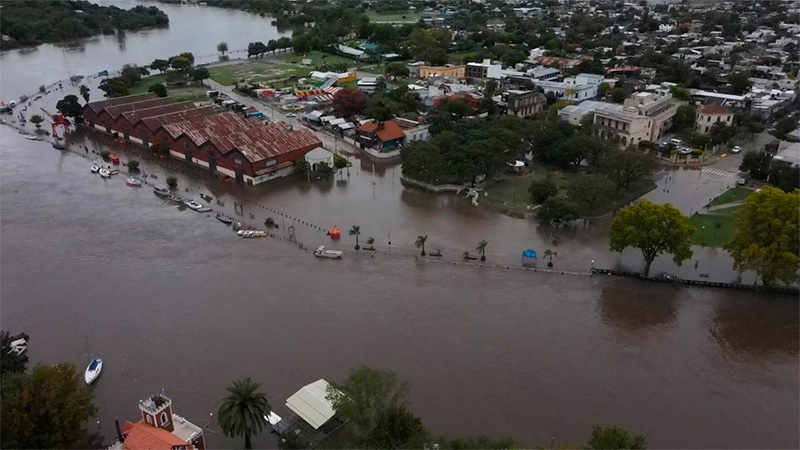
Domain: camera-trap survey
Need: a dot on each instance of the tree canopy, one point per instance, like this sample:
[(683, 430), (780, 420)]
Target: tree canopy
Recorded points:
[(243, 410), (349, 101), (765, 240), (653, 229), (615, 438), (48, 408)]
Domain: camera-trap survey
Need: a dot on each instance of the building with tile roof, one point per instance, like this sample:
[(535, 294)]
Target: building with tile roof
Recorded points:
[(710, 114), (387, 134), (159, 429)]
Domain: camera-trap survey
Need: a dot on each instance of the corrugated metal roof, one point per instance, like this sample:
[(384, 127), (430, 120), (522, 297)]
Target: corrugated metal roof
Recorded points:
[(155, 121), (229, 131), (311, 404), (134, 116), (99, 105), (115, 110)]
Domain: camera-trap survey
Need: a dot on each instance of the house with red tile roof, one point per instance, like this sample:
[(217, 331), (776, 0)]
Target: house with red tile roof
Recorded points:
[(159, 429), (710, 114), (380, 135)]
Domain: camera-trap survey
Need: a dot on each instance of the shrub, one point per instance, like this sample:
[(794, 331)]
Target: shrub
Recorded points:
[(105, 154), (133, 164), (172, 181)]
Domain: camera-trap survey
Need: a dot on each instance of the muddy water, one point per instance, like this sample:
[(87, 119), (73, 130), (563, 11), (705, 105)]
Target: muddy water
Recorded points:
[(172, 299)]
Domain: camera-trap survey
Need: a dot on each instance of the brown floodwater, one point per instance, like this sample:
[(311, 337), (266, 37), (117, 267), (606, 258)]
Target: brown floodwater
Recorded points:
[(172, 299)]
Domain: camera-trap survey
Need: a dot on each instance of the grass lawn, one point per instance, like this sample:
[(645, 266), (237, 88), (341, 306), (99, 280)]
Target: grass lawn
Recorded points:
[(719, 229), (189, 94), (317, 58), (146, 82), (513, 190), (736, 194), (404, 17), (256, 71)]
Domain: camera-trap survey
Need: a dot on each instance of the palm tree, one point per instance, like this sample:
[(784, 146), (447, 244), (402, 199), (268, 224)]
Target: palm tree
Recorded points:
[(481, 248), (439, 121), (550, 254), (242, 411), (222, 47), (421, 243), (355, 231), (84, 92), (37, 120)]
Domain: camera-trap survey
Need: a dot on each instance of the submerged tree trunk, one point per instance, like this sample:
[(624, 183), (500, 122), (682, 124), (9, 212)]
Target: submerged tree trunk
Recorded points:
[(247, 444), (647, 263)]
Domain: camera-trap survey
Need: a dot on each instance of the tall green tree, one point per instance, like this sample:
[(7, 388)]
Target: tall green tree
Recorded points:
[(374, 401), (684, 118), (222, 47), (740, 82), (160, 65), (242, 411), (766, 234), (785, 126), (439, 121), (48, 408), (653, 229), (614, 438), (590, 190), (70, 107), (629, 167)]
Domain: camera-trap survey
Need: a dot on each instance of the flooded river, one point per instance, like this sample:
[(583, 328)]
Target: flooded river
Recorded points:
[(172, 300)]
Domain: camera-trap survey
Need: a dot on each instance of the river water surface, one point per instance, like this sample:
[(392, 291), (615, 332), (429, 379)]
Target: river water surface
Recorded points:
[(172, 300)]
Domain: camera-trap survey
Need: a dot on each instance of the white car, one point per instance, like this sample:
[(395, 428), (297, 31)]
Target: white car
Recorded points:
[(291, 115), (676, 142), (736, 149)]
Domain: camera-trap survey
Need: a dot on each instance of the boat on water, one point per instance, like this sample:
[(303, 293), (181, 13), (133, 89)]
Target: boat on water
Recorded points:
[(204, 209), (161, 189), (95, 168), (59, 145), (251, 233), (193, 204), (93, 370), (32, 138), (320, 252), (133, 182), (105, 173), (224, 219)]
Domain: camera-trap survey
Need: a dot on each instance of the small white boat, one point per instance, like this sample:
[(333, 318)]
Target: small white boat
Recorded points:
[(133, 182), (18, 346), (105, 173), (161, 189), (95, 168), (204, 209), (32, 138), (322, 253), (93, 370), (193, 204), (224, 219)]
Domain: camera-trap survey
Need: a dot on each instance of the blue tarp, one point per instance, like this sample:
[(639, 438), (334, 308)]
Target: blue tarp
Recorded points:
[(529, 253)]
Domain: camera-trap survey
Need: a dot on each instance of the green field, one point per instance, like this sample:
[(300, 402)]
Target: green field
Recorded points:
[(256, 71), (736, 194), (404, 17), (317, 58), (146, 82)]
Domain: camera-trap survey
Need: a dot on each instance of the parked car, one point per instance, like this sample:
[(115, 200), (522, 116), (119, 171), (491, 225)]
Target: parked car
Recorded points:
[(742, 181), (736, 149), (676, 142), (291, 115)]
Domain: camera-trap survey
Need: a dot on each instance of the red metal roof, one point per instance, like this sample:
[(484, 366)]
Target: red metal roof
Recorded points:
[(135, 116), (99, 105), (385, 131), (228, 131), (155, 121), (115, 110)]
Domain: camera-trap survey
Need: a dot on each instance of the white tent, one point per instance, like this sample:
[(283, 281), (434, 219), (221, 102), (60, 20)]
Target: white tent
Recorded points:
[(311, 405)]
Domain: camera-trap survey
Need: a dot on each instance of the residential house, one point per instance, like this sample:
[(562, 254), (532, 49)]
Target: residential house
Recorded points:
[(158, 429), (482, 70), (581, 87), (710, 114), (644, 116), (414, 129), (381, 135)]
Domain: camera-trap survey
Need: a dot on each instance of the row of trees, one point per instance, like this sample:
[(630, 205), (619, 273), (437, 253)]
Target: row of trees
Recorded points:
[(375, 405), (179, 69), (258, 48)]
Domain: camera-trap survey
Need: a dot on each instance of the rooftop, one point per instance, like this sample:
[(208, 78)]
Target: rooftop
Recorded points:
[(142, 436), (311, 403), (713, 109), (99, 105), (385, 131), (136, 115), (153, 122), (115, 110)]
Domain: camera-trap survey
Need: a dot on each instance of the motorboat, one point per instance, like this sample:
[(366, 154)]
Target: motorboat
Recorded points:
[(95, 168), (320, 252), (105, 173), (133, 182), (18, 346), (32, 138), (193, 204), (161, 189), (93, 370), (224, 219), (204, 209), (251, 233)]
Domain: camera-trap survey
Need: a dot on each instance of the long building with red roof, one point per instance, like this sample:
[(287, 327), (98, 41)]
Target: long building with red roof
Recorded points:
[(223, 142)]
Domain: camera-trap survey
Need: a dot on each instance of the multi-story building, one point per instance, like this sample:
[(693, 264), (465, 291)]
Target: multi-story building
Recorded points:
[(483, 70), (449, 71), (524, 103), (710, 114), (158, 429), (581, 87), (644, 116)]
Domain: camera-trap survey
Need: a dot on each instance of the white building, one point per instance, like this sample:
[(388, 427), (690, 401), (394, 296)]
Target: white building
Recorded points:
[(581, 87)]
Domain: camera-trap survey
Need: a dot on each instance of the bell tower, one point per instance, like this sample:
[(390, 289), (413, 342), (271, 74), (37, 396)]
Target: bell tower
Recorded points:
[(157, 411)]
